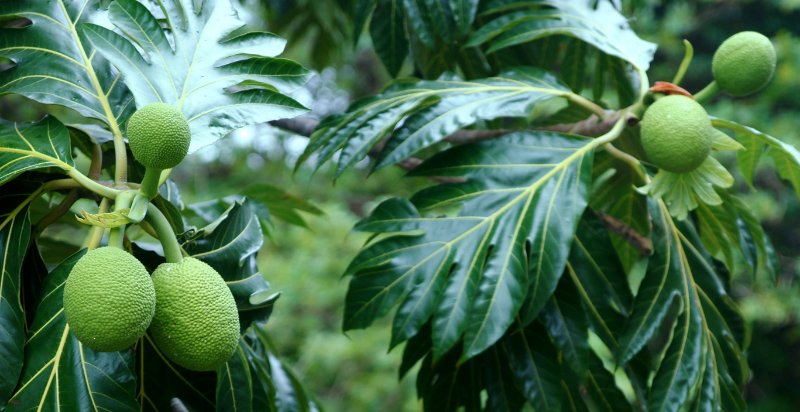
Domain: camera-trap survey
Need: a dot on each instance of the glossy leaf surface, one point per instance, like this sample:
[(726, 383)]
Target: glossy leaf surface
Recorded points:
[(417, 114), (220, 77), (471, 272)]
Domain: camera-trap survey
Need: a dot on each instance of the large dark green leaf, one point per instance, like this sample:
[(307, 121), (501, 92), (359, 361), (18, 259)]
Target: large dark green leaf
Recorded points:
[(389, 35), (565, 321), (426, 112), (785, 156), (534, 363), (33, 146), (501, 388), (256, 380), (441, 384), (464, 12), (599, 280), (280, 203), (164, 384), (732, 233), (681, 369), (14, 238), (660, 290), (603, 27), (519, 206), (725, 330), (55, 64), (221, 77), (59, 372), (229, 245)]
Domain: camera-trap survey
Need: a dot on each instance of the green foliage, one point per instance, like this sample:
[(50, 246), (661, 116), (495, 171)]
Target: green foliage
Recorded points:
[(633, 312), (547, 266), (53, 169)]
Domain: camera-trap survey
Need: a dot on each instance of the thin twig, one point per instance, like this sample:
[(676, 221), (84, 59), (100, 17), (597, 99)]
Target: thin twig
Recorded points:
[(57, 212), (639, 241), (594, 125)]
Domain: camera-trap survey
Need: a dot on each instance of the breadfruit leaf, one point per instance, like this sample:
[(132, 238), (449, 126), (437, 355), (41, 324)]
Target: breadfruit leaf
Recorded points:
[(201, 60), (417, 114), (602, 26), (33, 146), (55, 64), (707, 331), (389, 35), (520, 202), (785, 156), (15, 232)]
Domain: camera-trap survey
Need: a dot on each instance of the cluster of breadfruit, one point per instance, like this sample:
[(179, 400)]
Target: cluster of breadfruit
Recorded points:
[(110, 299), (676, 132)]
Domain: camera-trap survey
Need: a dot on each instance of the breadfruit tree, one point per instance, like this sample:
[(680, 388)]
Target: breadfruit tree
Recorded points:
[(573, 250)]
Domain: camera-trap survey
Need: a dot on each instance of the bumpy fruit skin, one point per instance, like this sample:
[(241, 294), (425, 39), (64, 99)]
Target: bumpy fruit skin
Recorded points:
[(744, 63), (159, 135), (676, 133), (109, 299), (196, 323)]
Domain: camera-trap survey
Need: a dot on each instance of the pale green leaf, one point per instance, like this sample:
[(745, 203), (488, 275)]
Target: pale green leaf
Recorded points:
[(603, 27), (221, 77)]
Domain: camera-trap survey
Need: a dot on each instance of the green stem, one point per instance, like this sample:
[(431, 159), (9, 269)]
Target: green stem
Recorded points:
[(117, 234), (588, 104), (91, 185), (644, 83), (687, 59), (614, 133), (633, 162), (58, 212), (150, 183), (172, 250), (707, 93), (96, 234), (97, 162)]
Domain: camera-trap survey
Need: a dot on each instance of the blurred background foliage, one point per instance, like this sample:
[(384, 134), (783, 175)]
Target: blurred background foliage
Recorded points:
[(354, 373)]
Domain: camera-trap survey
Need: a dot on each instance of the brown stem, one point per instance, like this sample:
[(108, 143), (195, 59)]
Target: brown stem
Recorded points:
[(97, 162), (639, 241), (57, 212), (594, 125)]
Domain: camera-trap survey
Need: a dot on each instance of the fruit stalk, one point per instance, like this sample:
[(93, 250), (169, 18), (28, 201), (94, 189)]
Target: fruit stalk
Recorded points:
[(117, 234), (707, 93), (172, 250)]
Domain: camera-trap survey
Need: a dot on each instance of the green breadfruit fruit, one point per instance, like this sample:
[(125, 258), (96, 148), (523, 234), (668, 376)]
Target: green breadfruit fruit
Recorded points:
[(744, 63), (159, 136), (676, 133), (196, 323), (109, 299)]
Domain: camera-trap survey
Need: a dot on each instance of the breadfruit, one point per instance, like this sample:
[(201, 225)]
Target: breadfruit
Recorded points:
[(109, 299), (744, 63), (159, 136), (196, 324), (676, 133)]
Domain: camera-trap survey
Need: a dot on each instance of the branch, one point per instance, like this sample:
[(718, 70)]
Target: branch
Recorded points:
[(641, 242), (591, 126), (302, 125)]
